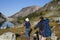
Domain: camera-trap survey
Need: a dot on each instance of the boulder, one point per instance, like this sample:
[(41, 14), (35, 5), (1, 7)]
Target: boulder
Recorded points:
[(8, 36), (53, 36)]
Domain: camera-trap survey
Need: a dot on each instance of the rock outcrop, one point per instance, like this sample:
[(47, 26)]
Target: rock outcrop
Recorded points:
[(8, 36)]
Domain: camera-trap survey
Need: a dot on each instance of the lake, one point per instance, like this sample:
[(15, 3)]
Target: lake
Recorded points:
[(5, 24)]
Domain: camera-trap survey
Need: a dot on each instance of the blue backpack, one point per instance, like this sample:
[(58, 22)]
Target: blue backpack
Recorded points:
[(48, 29)]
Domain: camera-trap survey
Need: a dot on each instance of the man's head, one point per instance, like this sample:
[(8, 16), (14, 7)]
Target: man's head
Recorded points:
[(42, 18)]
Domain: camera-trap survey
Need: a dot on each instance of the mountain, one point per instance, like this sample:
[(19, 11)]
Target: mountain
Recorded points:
[(26, 11), (51, 10), (2, 17)]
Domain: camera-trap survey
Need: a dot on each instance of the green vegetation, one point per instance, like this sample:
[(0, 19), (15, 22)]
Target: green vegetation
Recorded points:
[(56, 0), (32, 16)]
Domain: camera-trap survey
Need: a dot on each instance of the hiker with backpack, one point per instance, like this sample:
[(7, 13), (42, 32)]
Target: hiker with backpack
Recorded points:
[(44, 29), (27, 28)]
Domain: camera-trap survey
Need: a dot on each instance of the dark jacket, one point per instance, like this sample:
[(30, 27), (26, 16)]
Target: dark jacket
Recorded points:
[(27, 24)]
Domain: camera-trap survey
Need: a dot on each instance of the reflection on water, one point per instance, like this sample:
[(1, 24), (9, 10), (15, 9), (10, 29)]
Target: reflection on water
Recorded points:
[(7, 23)]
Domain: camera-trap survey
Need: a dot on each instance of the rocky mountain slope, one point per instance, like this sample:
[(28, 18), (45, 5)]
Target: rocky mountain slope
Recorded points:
[(51, 10), (26, 11), (2, 17), (53, 6)]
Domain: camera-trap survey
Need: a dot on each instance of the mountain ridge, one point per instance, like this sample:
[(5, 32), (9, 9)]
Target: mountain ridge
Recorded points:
[(49, 10), (2, 18), (26, 11)]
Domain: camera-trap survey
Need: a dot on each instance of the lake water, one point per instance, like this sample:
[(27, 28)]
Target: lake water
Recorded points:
[(7, 23)]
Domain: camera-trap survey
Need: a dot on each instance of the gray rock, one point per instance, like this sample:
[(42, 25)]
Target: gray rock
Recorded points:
[(8, 36), (53, 36)]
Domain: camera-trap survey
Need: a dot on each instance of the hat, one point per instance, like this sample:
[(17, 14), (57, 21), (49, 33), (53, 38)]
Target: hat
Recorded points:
[(27, 19)]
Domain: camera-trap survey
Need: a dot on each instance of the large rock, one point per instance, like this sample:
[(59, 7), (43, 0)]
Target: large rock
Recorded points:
[(8, 36), (53, 36)]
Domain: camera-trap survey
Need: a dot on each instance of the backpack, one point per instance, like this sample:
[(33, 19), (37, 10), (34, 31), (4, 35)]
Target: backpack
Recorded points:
[(48, 29)]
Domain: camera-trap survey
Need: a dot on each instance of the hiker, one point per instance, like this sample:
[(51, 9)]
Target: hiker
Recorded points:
[(44, 29), (27, 28)]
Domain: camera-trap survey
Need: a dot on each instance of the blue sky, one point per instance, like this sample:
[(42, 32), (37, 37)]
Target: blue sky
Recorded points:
[(10, 7)]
